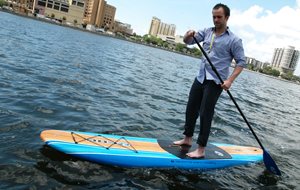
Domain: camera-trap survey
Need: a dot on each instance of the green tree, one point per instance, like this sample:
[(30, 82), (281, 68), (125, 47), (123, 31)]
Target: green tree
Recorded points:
[(180, 47), (296, 78), (146, 39), (159, 41), (288, 76), (151, 39), (3, 3), (196, 52), (137, 38), (165, 44), (250, 67), (269, 71), (275, 73), (154, 40)]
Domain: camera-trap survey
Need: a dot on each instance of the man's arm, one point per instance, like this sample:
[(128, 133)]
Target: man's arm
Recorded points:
[(227, 83)]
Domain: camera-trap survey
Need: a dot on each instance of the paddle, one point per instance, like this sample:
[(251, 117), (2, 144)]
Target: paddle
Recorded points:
[(269, 162)]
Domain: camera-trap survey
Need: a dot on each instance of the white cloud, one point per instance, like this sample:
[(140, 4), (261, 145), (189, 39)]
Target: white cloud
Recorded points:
[(263, 30), (298, 3)]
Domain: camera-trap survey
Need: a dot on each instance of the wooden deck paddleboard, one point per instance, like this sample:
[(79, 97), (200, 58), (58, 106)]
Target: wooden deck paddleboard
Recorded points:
[(126, 151)]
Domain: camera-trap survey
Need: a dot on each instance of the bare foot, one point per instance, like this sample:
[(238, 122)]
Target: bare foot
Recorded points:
[(198, 153), (186, 141)]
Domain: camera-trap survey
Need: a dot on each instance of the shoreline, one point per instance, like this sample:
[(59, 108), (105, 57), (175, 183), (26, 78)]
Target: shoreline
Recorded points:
[(273, 77), (92, 32), (120, 38)]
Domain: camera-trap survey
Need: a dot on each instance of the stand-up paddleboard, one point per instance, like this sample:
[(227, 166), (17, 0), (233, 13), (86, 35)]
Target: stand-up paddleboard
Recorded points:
[(128, 151)]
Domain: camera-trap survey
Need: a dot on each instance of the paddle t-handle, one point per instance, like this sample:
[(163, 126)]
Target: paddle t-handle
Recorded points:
[(268, 161)]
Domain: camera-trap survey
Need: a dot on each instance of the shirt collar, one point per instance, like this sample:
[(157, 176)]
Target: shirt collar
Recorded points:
[(227, 30)]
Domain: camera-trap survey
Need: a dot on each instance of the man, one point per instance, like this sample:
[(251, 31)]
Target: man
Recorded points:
[(222, 46)]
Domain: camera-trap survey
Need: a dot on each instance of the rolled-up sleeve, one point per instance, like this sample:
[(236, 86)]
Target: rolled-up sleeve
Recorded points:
[(199, 35), (238, 53)]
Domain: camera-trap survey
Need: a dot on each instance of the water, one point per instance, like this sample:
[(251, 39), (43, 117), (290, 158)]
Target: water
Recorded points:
[(53, 77)]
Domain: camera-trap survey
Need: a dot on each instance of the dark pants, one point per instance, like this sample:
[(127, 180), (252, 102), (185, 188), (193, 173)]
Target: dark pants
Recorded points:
[(202, 101)]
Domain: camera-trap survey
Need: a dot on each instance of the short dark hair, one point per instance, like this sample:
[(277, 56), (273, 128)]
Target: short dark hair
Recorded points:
[(225, 8)]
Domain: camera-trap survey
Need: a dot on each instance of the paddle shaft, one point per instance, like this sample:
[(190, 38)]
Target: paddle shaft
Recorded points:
[(228, 92)]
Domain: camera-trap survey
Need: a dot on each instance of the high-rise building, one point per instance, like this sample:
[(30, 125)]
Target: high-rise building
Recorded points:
[(21, 6), (99, 14), (159, 28), (70, 11), (122, 28), (285, 59), (108, 16)]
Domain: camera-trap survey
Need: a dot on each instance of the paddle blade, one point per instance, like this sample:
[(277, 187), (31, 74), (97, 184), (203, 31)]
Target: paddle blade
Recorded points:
[(270, 164)]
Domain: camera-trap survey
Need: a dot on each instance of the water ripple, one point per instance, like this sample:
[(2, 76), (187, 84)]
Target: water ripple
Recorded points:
[(59, 78)]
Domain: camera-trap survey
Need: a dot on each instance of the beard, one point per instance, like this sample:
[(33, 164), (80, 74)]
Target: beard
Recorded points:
[(218, 25)]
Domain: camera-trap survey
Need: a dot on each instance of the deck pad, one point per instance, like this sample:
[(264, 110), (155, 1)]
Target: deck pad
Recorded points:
[(211, 151)]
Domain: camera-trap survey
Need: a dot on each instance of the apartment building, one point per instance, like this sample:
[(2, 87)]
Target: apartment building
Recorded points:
[(99, 13), (122, 28), (285, 59), (171, 39), (94, 12), (159, 28), (256, 63), (62, 10), (109, 17), (21, 6)]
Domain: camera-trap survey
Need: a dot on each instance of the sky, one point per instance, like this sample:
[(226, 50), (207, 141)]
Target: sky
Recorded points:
[(263, 25)]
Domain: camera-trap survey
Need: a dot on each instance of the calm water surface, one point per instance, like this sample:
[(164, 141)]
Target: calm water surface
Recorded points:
[(53, 77)]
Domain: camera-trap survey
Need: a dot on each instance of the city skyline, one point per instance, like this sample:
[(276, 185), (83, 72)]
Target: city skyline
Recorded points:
[(262, 25)]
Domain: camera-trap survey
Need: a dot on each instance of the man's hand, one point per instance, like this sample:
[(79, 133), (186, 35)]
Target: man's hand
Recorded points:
[(188, 37), (226, 85)]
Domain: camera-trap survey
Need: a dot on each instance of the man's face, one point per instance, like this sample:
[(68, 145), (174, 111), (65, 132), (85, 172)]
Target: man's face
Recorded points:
[(219, 18)]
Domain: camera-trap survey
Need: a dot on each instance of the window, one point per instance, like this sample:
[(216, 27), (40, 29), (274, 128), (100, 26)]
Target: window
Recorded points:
[(50, 4), (56, 6), (64, 8), (73, 2), (80, 4), (42, 3)]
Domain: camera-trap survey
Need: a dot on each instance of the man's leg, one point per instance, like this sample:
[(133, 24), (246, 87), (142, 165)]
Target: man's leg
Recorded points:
[(192, 113), (211, 94)]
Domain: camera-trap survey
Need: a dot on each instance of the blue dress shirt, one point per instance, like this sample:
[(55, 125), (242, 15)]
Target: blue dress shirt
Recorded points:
[(221, 50)]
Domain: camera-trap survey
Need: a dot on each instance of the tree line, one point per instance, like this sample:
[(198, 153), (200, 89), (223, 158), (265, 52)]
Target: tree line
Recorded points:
[(158, 42), (273, 72)]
